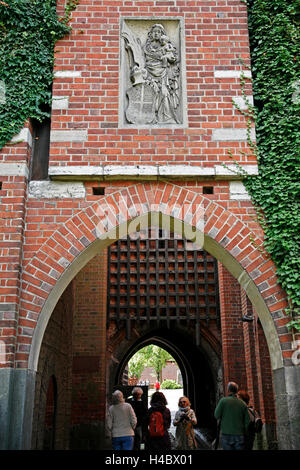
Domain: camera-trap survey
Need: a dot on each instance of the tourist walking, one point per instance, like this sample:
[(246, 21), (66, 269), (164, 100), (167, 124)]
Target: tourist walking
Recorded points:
[(184, 420), (234, 417), (159, 421), (121, 422), (141, 411)]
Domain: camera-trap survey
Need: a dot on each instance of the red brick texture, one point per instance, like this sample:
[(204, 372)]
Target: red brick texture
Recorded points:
[(234, 361), (12, 223), (216, 38), (55, 367), (42, 239), (246, 358), (89, 342)]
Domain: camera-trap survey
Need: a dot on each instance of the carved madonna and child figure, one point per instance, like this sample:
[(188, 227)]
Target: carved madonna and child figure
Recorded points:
[(154, 95)]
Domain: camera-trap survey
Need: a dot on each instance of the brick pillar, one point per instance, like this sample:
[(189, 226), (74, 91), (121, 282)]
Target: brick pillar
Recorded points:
[(250, 345), (89, 350), (12, 212), (234, 365), (267, 395), (259, 374)]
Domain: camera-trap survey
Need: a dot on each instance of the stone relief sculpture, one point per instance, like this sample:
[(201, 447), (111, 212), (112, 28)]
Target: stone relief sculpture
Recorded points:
[(154, 97)]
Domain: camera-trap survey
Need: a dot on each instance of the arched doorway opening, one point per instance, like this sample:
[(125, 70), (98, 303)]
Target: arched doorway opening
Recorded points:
[(200, 368), (163, 290), (105, 334), (159, 219), (154, 367), (214, 247)]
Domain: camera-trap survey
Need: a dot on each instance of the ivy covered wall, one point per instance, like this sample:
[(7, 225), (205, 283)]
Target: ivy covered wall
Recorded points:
[(29, 30), (274, 40)]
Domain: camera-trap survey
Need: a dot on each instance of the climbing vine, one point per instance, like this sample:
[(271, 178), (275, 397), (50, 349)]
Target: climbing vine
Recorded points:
[(29, 30), (274, 40)]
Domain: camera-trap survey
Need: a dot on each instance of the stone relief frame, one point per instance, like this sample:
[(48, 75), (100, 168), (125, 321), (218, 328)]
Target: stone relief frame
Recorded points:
[(152, 82)]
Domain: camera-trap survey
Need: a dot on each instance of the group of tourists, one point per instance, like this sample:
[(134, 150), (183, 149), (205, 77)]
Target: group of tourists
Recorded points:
[(134, 427)]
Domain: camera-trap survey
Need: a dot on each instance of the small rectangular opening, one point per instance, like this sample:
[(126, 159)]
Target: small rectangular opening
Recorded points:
[(0, 185), (98, 191), (208, 190)]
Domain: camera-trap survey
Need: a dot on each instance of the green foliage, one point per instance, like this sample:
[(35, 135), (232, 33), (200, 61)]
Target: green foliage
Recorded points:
[(137, 364), (158, 358), (170, 384), (29, 30), (274, 39)]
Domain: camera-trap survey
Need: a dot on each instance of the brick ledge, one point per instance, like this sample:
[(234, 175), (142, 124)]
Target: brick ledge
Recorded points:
[(104, 172)]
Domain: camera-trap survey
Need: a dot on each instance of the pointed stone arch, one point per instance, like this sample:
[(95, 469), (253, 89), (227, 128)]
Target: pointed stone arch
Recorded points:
[(197, 364)]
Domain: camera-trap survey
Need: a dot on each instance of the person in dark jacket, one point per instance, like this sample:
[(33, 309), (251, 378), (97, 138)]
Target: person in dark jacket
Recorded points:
[(159, 403), (141, 411)]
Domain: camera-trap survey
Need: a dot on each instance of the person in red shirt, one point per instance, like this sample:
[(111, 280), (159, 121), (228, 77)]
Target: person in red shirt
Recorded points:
[(157, 386)]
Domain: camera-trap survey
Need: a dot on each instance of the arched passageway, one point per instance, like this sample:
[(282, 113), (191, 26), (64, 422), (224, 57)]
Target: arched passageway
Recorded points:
[(106, 333), (200, 367), (219, 231)]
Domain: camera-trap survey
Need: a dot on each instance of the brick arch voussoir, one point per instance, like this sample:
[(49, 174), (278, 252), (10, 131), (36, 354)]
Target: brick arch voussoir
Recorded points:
[(84, 228), (237, 239), (73, 237)]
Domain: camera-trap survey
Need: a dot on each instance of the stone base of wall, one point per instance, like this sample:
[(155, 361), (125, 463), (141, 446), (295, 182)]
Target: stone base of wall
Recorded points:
[(89, 436)]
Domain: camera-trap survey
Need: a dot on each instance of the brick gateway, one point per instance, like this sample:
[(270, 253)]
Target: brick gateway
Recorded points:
[(241, 342)]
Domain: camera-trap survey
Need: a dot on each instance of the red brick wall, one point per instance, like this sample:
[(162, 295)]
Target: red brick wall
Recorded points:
[(252, 366), (234, 363), (44, 216), (89, 342), (169, 372), (55, 360), (267, 386), (216, 36), (12, 214), (39, 237), (246, 357)]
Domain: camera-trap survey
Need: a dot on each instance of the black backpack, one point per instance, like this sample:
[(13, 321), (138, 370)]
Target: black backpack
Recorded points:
[(256, 423)]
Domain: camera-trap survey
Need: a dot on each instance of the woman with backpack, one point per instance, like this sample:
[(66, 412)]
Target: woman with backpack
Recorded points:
[(159, 421), (184, 420)]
